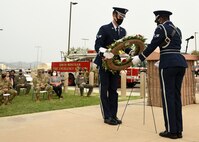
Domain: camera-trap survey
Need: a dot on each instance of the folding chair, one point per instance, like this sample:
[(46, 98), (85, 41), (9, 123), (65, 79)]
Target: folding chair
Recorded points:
[(43, 93), (23, 90)]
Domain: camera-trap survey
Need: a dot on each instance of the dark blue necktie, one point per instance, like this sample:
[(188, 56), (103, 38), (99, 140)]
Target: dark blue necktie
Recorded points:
[(118, 32)]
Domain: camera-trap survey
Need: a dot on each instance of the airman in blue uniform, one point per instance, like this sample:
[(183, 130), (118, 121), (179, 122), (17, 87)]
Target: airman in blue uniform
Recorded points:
[(107, 35), (172, 68)]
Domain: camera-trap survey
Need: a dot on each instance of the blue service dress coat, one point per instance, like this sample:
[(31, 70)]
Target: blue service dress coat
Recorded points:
[(171, 71), (107, 35), (169, 55)]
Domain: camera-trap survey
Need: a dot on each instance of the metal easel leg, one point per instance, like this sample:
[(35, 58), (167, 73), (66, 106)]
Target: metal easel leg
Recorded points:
[(143, 80), (154, 122), (125, 108)]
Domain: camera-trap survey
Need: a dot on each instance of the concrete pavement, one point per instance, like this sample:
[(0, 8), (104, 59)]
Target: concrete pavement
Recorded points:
[(85, 124)]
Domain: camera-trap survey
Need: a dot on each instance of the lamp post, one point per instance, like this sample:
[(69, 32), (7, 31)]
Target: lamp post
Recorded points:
[(38, 47), (195, 40), (71, 3), (85, 40)]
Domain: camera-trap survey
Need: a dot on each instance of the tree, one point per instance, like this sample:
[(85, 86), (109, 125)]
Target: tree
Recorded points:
[(194, 52)]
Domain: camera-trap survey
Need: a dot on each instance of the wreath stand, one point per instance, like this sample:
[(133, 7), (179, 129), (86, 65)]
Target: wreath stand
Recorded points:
[(143, 94)]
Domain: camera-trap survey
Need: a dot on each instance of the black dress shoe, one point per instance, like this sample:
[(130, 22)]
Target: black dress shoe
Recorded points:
[(179, 135), (118, 121), (110, 121), (168, 135)]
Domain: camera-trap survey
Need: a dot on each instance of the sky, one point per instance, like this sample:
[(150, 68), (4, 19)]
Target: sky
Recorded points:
[(38, 29)]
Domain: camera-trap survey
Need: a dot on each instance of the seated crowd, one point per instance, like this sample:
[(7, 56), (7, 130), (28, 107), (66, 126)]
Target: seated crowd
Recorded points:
[(12, 83)]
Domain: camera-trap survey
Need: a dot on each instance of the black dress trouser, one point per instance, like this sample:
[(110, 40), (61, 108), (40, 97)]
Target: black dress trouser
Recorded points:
[(58, 90), (171, 82), (108, 93)]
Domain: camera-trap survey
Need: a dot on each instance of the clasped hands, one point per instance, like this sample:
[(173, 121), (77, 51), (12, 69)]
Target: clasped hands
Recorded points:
[(55, 84)]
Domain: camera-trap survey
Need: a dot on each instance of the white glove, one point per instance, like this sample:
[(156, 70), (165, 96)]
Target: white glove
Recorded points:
[(108, 55), (102, 49), (131, 53), (136, 60)]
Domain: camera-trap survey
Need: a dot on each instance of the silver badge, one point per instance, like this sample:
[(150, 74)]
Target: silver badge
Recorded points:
[(98, 36)]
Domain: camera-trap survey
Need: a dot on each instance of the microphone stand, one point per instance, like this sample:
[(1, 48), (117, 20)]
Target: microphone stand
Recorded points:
[(187, 46)]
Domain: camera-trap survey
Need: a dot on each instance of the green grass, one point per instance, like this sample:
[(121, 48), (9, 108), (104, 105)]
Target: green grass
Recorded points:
[(24, 104)]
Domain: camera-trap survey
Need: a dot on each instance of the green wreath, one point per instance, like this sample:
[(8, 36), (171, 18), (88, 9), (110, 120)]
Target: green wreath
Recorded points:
[(137, 43)]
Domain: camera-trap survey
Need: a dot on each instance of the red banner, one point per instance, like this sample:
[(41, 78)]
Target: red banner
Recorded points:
[(69, 66)]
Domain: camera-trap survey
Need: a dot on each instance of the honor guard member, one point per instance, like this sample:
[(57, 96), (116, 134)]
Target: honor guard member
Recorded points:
[(107, 35), (172, 68)]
